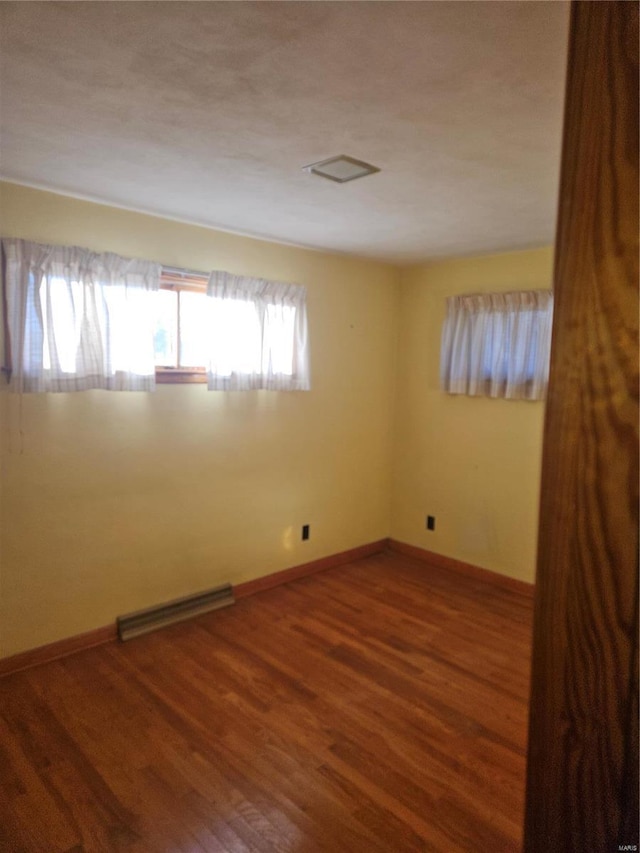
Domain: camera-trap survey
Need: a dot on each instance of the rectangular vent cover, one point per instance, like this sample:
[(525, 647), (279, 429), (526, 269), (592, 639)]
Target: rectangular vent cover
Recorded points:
[(341, 169), (144, 621)]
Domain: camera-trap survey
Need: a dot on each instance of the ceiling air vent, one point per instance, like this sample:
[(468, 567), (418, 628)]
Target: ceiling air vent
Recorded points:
[(341, 169)]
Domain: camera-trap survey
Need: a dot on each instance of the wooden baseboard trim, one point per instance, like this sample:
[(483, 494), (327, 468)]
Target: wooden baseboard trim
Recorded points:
[(59, 649), (461, 567), (107, 634), (286, 575)]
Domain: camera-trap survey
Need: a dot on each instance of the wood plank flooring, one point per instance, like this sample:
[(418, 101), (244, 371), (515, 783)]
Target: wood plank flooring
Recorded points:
[(379, 706)]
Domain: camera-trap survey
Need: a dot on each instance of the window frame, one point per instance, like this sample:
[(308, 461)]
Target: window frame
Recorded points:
[(177, 282)]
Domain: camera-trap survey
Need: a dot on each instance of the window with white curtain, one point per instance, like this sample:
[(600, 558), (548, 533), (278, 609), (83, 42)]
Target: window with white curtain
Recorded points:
[(497, 344), (232, 332), (76, 319), (258, 334)]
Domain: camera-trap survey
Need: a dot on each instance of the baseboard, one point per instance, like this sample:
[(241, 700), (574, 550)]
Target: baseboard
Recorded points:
[(107, 634), (286, 575), (79, 642), (57, 650), (461, 567)]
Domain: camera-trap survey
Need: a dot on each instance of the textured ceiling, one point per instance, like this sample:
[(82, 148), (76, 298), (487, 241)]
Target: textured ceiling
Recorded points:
[(207, 111)]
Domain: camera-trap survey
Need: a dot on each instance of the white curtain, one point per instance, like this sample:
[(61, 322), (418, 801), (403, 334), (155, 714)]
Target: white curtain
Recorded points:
[(258, 336), (79, 320), (497, 344)]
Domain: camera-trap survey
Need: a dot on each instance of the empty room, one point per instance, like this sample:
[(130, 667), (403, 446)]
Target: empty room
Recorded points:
[(319, 426)]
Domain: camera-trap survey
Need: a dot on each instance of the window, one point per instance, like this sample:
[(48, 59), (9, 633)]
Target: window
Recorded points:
[(497, 344), (233, 332), (259, 334), (75, 319), (181, 333)]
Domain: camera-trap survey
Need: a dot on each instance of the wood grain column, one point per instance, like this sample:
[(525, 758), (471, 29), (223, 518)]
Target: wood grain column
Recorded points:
[(582, 776)]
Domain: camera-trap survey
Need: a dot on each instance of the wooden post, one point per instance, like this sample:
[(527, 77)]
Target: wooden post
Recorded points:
[(582, 775)]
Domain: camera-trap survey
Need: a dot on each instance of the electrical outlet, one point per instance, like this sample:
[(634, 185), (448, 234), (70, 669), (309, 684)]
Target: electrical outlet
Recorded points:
[(305, 532), (431, 522)]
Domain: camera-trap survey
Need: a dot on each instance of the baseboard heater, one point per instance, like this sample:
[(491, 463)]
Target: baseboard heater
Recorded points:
[(152, 618)]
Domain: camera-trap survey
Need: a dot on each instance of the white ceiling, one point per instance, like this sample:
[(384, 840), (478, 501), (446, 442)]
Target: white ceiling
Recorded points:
[(207, 111)]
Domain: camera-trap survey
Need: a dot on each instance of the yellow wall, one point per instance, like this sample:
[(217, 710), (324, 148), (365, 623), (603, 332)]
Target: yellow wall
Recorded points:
[(113, 502), (473, 462)]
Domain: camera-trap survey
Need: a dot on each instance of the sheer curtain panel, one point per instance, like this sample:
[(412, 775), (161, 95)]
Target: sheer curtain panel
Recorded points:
[(78, 320), (258, 335), (497, 344)]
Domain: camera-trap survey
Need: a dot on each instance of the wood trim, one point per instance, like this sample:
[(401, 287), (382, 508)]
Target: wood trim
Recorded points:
[(182, 286), (462, 568), (186, 281), (59, 649), (582, 772), (277, 578), (181, 376), (107, 634)]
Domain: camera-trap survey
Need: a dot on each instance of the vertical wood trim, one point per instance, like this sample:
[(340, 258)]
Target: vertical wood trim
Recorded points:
[(582, 775)]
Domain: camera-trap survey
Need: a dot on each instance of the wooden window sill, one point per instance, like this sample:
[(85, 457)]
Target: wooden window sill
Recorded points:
[(176, 376)]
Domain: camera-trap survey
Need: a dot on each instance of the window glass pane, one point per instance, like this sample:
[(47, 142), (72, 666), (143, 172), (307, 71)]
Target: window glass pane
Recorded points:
[(165, 337), (195, 329)]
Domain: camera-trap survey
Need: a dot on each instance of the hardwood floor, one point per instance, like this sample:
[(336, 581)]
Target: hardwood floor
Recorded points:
[(379, 706)]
